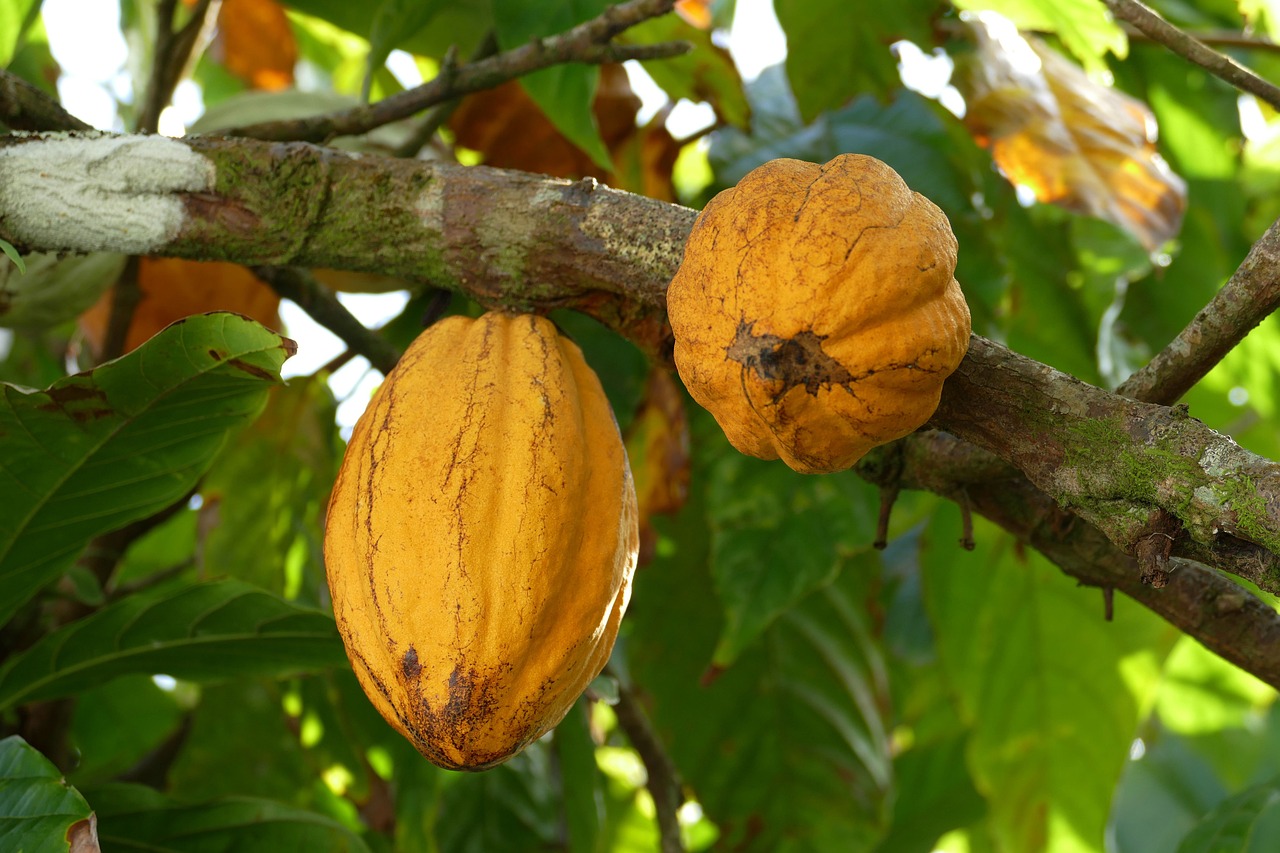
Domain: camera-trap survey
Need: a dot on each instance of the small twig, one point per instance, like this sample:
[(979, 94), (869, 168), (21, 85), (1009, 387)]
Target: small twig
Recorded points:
[(1217, 38), (1251, 295), (588, 43), (1109, 603), (888, 496), (966, 520), (25, 107), (125, 296), (322, 306), (173, 52), (1194, 50), (663, 778)]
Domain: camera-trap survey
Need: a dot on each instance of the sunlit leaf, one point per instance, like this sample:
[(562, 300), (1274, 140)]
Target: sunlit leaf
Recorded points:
[(15, 17), (255, 43), (564, 92), (706, 73), (101, 449), (1053, 692), (1071, 141), (839, 49), (198, 632), (1085, 26), (39, 811)]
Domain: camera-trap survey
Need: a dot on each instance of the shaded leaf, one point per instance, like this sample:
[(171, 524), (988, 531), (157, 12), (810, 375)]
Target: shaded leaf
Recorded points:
[(580, 780), (12, 254), (48, 290), (1053, 693), (255, 43), (199, 632), (115, 725), (1073, 142), (563, 92), (776, 537), (394, 22), (839, 49), (101, 449), (137, 818), (658, 449), (1249, 822), (265, 495), (786, 749), (39, 811)]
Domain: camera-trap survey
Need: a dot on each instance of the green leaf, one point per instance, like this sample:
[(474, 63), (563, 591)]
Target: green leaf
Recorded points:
[(12, 253), (706, 73), (513, 807), (101, 449), (115, 725), (563, 92), (580, 779), (777, 536), (1052, 691), (1249, 822), (199, 632), (16, 17), (39, 811), (137, 818), (1085, 26), (838, 49), (394, 22), (786, 749), (266, 494)]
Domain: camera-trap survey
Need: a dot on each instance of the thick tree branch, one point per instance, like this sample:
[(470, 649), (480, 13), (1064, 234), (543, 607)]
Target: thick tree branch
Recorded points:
[(1194, 50), (24, 107), (533, 243), (589, 43), (1250, 296)]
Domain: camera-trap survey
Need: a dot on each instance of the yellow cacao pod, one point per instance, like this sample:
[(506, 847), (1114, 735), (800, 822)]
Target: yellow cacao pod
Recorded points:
[(481, 538), (816, 312)]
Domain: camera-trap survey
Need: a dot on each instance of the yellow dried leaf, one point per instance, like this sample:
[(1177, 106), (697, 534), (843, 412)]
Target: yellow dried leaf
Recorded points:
[(1073, 142)]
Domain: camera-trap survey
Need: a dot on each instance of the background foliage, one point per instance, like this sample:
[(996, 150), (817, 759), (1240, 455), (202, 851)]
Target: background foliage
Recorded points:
[(813, 693)]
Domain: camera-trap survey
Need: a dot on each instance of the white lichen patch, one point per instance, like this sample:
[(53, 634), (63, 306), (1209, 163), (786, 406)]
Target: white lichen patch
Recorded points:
[(429, 207), (99, 193), (1221, 458)]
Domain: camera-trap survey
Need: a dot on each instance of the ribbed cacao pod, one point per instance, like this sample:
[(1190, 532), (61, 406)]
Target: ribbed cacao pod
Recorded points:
[(816, 312), (481, 538)]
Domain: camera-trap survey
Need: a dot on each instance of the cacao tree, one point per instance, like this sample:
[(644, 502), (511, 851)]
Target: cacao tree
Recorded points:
[(924, 652)]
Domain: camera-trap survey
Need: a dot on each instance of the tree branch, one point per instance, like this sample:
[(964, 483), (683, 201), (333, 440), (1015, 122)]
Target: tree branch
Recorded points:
[(1249, 297), (1194, 50), (588, 43), (531, 243), (24, 107), (172, 53), (663, 779)]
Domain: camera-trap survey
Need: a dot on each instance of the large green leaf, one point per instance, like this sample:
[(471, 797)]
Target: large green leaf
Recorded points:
[(777, 536), (137, 818), (1053, 693), (103, 448), (39, 811), (199, 632), (1249, 822), (839, 49), (786, 749), (267, 492), (563, 92)]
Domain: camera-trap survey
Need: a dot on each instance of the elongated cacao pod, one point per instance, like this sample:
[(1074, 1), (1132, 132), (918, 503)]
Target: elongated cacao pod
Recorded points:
[(481, 538)]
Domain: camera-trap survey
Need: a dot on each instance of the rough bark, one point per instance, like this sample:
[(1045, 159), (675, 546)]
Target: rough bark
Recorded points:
[(1092, 479)]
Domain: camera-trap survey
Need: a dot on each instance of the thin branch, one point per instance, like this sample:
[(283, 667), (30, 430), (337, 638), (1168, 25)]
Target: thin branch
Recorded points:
[(25, 107), (663, 778), (1250, 296), (1217, 38), (173, 52), (1194, 50), (125, 296), (439, 114), (588, 43), (302, 288)]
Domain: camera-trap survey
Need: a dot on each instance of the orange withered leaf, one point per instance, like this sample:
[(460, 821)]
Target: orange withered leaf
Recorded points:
[(658, 448), (255, 43), (1074, 142)]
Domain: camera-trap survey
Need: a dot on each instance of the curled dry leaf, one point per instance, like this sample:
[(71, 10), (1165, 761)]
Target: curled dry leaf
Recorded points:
[(696, 12), (1075, 143), (171, 289), (255, 42)]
